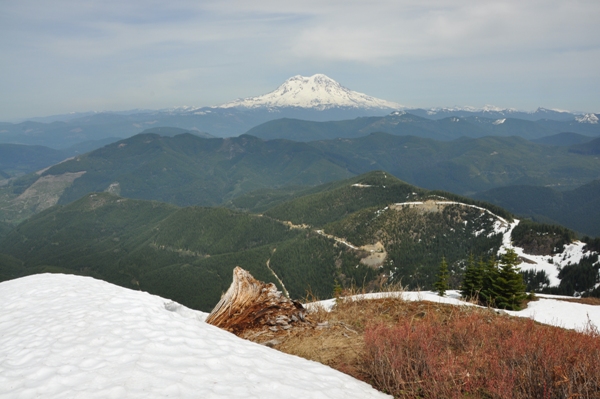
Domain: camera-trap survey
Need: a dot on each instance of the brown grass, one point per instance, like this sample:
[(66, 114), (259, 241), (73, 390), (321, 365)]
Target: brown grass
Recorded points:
[(585, 301), (429, 350), (339, 340)]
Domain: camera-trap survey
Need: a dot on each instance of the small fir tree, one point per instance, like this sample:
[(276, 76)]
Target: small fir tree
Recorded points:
[(471, 284), (441, 285), (489, 273), (337, 289), (509, 285)]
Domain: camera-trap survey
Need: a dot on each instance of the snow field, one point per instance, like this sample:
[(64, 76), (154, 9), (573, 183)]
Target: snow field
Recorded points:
[(64, 336), (572, 254), (317, 91)]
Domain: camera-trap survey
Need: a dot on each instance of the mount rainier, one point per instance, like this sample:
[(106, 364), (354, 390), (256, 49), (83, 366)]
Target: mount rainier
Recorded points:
[(317, 92), (317, 98)]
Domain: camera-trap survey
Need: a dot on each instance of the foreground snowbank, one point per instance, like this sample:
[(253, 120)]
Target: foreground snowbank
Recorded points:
[(65, 336)]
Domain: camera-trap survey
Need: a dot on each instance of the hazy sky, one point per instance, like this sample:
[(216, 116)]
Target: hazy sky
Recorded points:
[(63, 56)]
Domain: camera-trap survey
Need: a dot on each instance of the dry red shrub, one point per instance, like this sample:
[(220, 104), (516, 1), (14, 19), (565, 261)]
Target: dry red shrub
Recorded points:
[(480, 356)]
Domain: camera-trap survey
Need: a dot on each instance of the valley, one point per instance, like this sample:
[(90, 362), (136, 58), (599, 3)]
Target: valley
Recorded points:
[(186, 169), (353, 232), (360, 193)]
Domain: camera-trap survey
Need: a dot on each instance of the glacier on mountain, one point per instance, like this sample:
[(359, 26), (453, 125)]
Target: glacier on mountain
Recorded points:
[(587, 118), (317, 92)]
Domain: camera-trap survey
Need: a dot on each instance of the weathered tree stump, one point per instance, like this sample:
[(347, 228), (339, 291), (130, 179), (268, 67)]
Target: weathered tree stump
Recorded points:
[(251, 305)]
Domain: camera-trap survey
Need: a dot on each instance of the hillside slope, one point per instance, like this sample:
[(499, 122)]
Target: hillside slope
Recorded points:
[(577, 209), (401, 123), (463, 166), (190, 170), (186, 254), (367, 230), (566, 139), (16, 159)]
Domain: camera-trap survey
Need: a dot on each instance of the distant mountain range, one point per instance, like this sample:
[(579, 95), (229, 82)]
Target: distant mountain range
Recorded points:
[(402, 123), (314, 98), (578, 208), (564, 139), (492, 112), (18, 159), (189, 170)]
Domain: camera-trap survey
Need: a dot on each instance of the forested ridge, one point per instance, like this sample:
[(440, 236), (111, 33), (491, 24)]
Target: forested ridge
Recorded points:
[(365, 231)]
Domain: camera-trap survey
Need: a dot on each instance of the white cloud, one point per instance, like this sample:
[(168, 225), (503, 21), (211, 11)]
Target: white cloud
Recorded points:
[(355, 30)]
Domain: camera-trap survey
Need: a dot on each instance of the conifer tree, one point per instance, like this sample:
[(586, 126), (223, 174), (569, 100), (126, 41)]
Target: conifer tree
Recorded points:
[(479, 274), (509, 285), (472, 280), (337, 289), (489, 273), (441, 285)]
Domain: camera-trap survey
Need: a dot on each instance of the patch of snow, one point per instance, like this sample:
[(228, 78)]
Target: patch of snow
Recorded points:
[(64, 336), (486, 108), (499, 121), (361, 185), (479, 232), (551, 296), (562, 111), (501, 224), (409, 203), (500, 227), (317, 91), (571, 254), (569, 315), (587, 118), (493, 108)]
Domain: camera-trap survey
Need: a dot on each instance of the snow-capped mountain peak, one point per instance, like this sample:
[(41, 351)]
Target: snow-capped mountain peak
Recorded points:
[(485, 109), (587, 118), (541, 110), (317, 92)]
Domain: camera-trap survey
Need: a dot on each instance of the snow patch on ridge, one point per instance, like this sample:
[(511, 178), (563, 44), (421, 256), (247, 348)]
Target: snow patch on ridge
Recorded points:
[(572, 254), (499, 227), (486, 108), (587, 118)]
